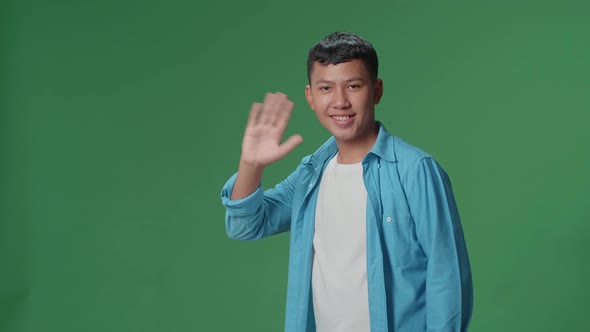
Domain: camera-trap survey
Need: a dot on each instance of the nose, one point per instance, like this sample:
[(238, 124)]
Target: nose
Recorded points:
[(340, 99)]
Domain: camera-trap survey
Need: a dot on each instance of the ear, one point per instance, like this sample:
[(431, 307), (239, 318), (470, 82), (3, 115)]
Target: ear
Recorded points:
[(309, 97), (377, 91)]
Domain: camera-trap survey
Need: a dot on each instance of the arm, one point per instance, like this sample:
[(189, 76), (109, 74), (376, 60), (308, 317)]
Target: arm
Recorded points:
[(260, 214), (252, 214), (449, 290)]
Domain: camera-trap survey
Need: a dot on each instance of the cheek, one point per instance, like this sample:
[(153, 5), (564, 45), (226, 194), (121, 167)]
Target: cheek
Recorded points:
[(367, 101), (315, 104), (319, 116), (319, 112)]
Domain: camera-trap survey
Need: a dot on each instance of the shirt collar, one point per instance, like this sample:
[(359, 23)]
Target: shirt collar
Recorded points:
[(384, 145)]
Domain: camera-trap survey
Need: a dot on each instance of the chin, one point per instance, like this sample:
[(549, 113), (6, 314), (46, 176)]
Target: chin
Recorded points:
[(344, 137)]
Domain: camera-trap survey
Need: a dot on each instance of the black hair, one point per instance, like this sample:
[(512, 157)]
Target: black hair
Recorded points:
[(340, 47)]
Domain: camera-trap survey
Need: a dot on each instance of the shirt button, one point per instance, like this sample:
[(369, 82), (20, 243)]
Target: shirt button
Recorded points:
[(311, 185), (388, 219)]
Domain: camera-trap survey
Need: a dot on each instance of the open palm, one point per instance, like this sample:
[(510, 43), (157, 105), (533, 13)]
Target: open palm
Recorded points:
[(267, 122)]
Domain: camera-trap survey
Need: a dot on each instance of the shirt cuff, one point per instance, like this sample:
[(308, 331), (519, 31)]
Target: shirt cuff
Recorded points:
[(244, 206)]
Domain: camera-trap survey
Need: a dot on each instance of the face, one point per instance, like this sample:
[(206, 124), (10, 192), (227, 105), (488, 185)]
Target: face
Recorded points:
[(343, 97)]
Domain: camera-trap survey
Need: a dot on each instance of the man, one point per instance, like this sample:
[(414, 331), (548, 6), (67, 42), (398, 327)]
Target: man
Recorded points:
[(376, 240)]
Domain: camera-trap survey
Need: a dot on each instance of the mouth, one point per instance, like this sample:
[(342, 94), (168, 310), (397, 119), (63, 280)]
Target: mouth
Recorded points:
[(341, 117), (343, 121)]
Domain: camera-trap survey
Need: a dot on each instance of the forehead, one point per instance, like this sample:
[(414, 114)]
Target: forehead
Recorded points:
[(354, 69)]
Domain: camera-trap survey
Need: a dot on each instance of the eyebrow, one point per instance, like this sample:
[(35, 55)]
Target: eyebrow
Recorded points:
[(358, 78)]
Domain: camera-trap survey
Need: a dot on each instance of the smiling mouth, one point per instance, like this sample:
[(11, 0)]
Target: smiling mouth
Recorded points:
[(342, 117)]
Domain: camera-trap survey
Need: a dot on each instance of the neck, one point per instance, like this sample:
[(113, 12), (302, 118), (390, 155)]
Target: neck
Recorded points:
[(354, 152)]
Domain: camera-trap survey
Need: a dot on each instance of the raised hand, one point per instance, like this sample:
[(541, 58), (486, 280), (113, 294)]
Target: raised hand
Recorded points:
[(267, 122), (262, 145)]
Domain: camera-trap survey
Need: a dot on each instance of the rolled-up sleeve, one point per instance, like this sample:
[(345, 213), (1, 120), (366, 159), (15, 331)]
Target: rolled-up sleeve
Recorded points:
[(262, 213), (449, 290), (240, 207)]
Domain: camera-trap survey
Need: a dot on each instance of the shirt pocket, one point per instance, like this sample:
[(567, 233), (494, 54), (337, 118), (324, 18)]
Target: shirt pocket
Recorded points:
[(397, 234)]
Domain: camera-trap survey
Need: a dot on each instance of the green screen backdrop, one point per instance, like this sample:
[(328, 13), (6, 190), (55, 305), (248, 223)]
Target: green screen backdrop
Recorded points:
[(121, 120)]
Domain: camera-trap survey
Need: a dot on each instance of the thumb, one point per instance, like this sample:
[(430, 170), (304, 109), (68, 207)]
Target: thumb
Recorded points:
[(290, 144)]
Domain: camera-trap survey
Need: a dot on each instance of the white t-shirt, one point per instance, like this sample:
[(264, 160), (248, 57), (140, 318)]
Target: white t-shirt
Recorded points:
[(339, 273)]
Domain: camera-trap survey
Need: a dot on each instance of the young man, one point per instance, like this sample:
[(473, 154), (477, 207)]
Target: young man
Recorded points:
[(376, 240)]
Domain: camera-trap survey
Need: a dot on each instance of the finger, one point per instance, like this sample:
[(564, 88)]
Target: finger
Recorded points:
[(280, 95), (290, 144), (254, 113), (269, 108), (284, 114)]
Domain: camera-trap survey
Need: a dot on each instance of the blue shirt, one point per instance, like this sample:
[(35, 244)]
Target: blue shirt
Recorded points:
[(418, 272)]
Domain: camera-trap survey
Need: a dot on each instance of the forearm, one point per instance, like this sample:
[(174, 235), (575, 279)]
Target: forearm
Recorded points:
[(261, 213), (247, 181), (449, 296)]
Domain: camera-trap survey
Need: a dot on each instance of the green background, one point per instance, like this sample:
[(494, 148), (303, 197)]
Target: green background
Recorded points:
[(121, 120)]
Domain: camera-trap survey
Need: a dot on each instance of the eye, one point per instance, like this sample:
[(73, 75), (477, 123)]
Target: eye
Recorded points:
[(354, 86), (324, 88)]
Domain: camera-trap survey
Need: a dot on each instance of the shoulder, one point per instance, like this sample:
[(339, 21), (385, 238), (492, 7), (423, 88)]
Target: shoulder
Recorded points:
[(409, 156), (418, 168), (415, 165), (397, 151), (405, 150)]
